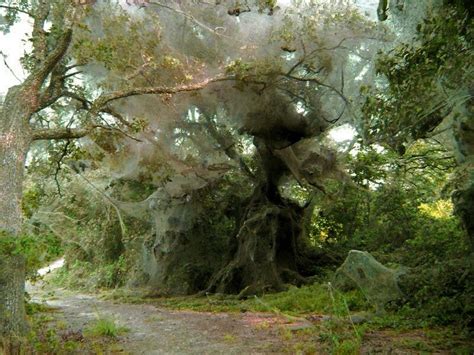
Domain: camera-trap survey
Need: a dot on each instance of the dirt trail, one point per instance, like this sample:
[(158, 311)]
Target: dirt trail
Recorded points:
[(162, 331)]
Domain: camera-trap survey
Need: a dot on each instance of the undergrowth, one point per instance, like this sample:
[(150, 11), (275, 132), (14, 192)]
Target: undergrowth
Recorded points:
[(88, 276), (48, 334), (38, 250)]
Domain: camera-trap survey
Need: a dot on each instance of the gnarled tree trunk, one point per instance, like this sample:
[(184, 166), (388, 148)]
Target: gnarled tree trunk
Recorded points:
[(267, 252)]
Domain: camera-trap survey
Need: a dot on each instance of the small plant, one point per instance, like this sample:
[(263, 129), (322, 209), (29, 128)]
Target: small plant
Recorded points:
[(105, 327), (229, 338), (343, 341)]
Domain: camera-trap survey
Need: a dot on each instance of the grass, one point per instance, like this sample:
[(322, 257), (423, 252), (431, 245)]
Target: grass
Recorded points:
[(105, 327), (51, 336), (295, 301)]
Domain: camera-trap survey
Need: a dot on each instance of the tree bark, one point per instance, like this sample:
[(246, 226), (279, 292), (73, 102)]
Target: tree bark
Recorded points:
[(463, 197), (15, 138), (12, 290)]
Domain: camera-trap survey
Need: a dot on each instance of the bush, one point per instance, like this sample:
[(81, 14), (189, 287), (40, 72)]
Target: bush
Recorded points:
[(37, 250), (442, 293)]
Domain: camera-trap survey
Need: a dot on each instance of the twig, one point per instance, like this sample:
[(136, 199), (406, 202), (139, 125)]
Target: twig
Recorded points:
[(8, 67), (58, 166)]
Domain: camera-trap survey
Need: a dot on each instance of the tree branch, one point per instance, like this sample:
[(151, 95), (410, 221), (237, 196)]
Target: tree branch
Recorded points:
[(110, 111), (106, 98), (8, 67), (15, 8), (60, 133), (86, 104), (58, 166), (53, 58), (39, 35), (191, 18)]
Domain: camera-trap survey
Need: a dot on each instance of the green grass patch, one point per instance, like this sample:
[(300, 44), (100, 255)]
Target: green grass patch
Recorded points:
[(105, 327), (295, 301)]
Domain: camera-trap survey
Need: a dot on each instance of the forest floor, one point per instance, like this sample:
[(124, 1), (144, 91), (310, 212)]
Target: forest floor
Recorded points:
[(70, 321)]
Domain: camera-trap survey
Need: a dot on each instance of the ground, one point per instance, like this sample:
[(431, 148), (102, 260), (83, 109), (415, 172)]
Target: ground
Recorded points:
[(153, 330), (160, 331), (168, 326)]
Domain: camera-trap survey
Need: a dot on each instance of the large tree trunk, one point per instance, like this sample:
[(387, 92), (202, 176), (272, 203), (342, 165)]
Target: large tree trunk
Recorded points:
[(267, 254), (15, 139), (12, 308), (14, 144)]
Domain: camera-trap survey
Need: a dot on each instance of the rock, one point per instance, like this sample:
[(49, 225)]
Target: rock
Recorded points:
[(358, 319), (378, 282), (299, 326)]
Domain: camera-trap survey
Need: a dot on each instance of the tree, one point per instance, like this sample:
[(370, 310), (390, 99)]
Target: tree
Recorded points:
[(292, 79), (429, 94)]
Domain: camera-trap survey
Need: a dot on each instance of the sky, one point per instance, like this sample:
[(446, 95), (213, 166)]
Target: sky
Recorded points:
[(12, 46)]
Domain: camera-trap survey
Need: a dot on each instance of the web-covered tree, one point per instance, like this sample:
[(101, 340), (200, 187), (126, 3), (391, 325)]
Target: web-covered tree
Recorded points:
[(285, 75), (292, 74)]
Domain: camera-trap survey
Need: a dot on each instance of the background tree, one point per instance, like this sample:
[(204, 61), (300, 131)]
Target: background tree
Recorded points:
[(428, 94)]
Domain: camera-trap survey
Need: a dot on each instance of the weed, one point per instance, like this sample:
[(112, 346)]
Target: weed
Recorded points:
[(286, 333), (229, 338), (106, 327), (61, 325)]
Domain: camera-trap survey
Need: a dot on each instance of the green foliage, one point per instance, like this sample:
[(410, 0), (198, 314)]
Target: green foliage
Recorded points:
[(31, 200), (315, 298), (90, 276), (442, 293), (253, 70), (402, 219), (114, 40), (427, 79)]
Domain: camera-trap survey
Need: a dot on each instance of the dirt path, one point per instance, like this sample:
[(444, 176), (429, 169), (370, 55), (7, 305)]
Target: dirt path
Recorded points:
[(163, 331)]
